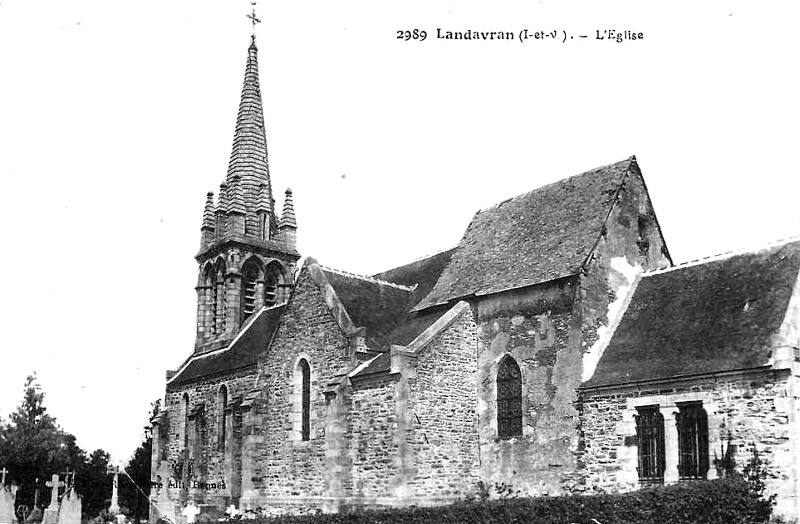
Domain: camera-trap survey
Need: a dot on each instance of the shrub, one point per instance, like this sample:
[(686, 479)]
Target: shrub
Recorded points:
[(708, 502)]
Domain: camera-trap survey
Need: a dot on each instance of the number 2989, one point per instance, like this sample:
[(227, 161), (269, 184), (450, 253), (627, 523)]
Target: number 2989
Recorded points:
[(416, 34)]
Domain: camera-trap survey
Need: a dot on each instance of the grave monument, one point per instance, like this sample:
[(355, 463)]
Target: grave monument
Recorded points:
[(7, 496)]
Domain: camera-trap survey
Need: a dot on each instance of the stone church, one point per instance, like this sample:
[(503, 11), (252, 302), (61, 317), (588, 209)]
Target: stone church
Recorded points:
[(555, 349)]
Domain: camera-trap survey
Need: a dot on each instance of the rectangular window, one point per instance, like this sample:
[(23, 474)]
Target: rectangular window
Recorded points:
[(692, 425), (650, 434)]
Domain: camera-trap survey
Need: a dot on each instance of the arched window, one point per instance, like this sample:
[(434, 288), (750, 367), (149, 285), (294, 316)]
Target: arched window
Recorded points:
[(210, 283), (509, 398), (185, 408), (222, 405), (250, 273), (218, 298), (305, 399), (272, 280)]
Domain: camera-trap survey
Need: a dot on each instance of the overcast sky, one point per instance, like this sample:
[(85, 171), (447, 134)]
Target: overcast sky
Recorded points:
[(117, 117)]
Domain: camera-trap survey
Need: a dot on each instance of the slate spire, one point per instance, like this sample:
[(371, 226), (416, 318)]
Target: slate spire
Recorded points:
[(288, 219), (248, 160)]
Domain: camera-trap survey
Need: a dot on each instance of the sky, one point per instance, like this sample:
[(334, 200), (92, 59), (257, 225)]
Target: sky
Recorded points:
[(117, 117)]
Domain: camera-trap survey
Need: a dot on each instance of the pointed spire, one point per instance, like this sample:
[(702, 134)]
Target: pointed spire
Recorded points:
[(208, 211), (288, 219), (222, 202), (249, 154)]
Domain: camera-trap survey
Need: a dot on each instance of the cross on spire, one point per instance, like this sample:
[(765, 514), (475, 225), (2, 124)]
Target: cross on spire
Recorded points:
[(253, 18)]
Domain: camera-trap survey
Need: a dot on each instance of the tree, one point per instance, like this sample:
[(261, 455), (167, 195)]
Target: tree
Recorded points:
[(134, 486), (94, 484), (33, 447)]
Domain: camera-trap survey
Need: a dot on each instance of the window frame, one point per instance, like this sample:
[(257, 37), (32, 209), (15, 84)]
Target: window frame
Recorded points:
[(508, 395), (651, 452), (691, 422)]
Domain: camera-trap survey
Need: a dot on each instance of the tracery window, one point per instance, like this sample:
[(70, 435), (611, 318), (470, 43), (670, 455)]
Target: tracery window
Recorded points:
[(692, 423), (650, 435), (305, 402), (509, 398)]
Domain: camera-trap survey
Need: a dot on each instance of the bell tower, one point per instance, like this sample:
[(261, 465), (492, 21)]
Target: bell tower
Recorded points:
[(247, 256)]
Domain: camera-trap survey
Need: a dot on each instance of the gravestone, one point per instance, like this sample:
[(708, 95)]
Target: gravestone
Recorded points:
[(113, 509), (51, 513), (7, 496), (70, 511)]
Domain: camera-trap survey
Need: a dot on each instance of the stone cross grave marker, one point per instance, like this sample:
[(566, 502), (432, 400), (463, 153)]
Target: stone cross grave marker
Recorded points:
[(4, 471), (55, 483), (51, 513), (114, 508)]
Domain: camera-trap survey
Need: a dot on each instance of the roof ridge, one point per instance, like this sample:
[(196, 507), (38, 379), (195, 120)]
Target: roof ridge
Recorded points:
[(725, 255), (554, 182), (419, 259), (368, 278)]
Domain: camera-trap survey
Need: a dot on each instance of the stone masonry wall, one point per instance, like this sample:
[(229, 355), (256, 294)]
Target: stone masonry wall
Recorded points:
[(441, 437), (536, 327), (744, 410), (211, 463), (372, 444), (284, 469)]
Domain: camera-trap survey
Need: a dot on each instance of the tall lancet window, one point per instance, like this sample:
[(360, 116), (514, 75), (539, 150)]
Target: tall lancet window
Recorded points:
[(304, 371), (210, 283), (250, 273), (218, 298), (509, 398), (222, 405), (185, 409), (273, 277)]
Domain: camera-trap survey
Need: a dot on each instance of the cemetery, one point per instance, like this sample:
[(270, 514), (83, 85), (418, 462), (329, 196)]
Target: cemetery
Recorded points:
[(64, 506)]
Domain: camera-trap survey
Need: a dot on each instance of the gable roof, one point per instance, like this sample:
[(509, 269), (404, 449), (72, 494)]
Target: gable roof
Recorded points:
[(381, 303), (422, 274), (373, 304), (715, 316), (537, 237), (241, 353)]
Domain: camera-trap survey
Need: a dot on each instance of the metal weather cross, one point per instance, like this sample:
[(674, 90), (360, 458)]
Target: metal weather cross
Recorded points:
[(253, 18)]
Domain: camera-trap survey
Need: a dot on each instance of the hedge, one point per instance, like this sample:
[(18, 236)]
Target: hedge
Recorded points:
[(706, 502)]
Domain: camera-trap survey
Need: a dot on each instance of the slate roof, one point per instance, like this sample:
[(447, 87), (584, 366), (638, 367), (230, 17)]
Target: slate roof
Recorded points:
[(422, 273), (703, 318), (382, 303), (248, 169), (373, 304), (533, 238), (242, 352)]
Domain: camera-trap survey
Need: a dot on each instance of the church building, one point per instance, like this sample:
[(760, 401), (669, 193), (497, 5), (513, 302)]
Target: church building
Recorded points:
[(556, 349)]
